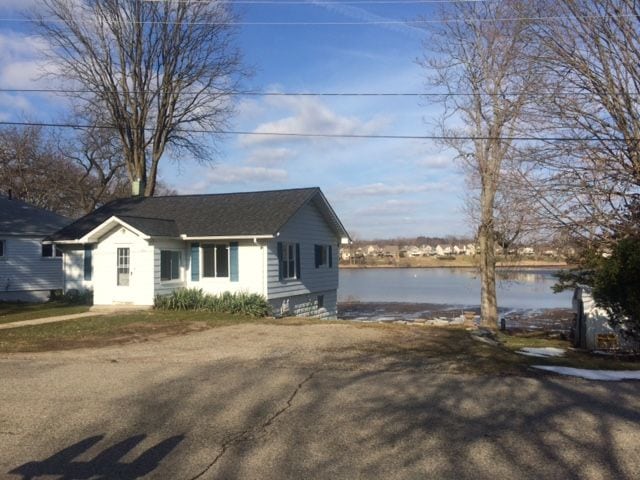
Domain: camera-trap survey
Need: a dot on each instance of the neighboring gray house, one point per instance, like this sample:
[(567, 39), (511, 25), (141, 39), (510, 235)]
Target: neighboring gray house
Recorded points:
[(28, 269), (282, 244)]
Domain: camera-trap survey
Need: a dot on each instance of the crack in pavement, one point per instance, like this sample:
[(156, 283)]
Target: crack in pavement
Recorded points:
[(247, 434)]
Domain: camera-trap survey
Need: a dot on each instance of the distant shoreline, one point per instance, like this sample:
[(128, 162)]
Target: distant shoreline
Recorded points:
[(560, 265)]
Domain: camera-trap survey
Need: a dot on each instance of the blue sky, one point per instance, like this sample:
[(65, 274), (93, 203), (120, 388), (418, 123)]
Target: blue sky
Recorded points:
[(379, 188)]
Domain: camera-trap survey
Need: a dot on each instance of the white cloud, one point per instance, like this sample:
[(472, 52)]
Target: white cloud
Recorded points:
[(390, 207), (227, 174), (269, 157), (380, 188), (309, 115), (21, 60)]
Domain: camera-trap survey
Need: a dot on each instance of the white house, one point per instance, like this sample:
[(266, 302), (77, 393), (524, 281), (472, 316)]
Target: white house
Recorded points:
[(28, 269), (282, 244)]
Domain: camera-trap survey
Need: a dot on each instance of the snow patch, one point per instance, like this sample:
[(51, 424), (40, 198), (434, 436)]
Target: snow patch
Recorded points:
[(604, 375), (542, 352)]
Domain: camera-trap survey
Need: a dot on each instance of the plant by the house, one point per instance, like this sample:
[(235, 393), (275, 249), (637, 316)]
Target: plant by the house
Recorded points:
[(195, 299), (72, 297)]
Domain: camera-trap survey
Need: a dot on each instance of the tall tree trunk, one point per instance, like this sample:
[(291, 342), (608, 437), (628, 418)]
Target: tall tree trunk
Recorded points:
[(487, 241)]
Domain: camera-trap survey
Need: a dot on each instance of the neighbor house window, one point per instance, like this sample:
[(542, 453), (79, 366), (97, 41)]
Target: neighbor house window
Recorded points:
[(169, 265), (47, 251), (3, 248), (215, 261), (323, 254)]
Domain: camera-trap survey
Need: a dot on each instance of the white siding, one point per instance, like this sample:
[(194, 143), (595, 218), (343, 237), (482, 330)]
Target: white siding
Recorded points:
[(307, 228), (166, 287), (251, 271), (140, 290), (74, 269), (23, 269)]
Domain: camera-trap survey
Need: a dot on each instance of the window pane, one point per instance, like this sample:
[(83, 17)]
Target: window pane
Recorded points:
[(58, 252), (165, 265), (123, 266), (208, 261), (47, 250), (175, 265), (292, 269), (222, 261), (1, 248)]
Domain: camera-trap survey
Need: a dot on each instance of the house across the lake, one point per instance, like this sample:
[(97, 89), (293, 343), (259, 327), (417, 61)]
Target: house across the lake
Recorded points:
[(29, 271), (282, 244)]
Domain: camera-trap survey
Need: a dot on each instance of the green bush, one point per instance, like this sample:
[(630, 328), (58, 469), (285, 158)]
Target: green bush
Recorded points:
[(616, 284), (195, 299), (72, 296)]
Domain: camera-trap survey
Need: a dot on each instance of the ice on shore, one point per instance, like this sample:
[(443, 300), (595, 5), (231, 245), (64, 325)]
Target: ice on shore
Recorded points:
[(542, 352), (603, 375)]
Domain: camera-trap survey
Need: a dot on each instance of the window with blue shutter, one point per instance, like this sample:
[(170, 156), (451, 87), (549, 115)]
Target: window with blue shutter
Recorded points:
[(288, 260), (330, 256), (234, 273), (88, 266), (195, 262)]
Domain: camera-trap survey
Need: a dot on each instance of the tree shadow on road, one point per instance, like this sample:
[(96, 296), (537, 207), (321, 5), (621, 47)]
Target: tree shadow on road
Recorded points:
[(107, 464)]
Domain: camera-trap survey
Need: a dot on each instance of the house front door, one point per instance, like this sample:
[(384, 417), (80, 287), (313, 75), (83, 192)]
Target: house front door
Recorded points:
[(124, 277)]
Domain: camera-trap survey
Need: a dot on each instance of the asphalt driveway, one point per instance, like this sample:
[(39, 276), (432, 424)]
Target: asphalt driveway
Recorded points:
[(313, 401)]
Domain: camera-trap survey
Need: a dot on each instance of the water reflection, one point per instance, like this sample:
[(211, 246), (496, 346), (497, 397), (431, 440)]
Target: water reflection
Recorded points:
[(516, 288)]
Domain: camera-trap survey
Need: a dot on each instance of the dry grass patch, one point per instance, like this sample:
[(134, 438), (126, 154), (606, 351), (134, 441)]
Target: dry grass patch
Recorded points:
[(112, 330), (17, 311)]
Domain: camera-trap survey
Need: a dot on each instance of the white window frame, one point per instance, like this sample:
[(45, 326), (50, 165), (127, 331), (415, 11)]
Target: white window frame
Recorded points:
[(289, 247), (215, 246), (171, 279)]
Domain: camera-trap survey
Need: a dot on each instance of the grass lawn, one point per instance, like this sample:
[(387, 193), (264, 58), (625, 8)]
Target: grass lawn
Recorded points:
[(120, 328), (572, 357), (16, 312), (444, 349)]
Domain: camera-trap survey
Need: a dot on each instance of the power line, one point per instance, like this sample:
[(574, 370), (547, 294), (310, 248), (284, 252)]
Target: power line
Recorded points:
[(330, 135), (324, 2), (409, 23), (255, 93)]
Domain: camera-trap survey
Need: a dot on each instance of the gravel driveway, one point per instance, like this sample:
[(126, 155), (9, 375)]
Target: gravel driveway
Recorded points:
[(312, 401)]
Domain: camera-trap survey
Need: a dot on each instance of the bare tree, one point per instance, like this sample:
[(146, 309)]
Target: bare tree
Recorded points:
[(32, 168), (97, 156), (478, 50), (70, 175), (156, 72), (588, 180)]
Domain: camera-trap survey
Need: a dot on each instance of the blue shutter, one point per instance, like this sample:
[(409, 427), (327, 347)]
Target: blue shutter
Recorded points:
[(195, 262), (280, 274), (234, 274), (88, 267), (330, 256), (298, 260)]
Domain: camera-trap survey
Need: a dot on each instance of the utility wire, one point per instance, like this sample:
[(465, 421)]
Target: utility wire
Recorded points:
[(255, 93), (312, 3), (330, 135), (414, 23)]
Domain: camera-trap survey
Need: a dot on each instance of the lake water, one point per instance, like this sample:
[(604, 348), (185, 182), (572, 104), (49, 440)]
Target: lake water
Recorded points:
[(516, 288)]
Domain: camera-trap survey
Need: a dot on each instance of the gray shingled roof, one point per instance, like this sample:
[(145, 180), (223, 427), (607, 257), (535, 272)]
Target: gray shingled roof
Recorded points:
[(19, 218), (228, 214)]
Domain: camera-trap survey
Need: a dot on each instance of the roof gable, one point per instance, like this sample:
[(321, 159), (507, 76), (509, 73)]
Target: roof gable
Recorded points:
[(217, 215)]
